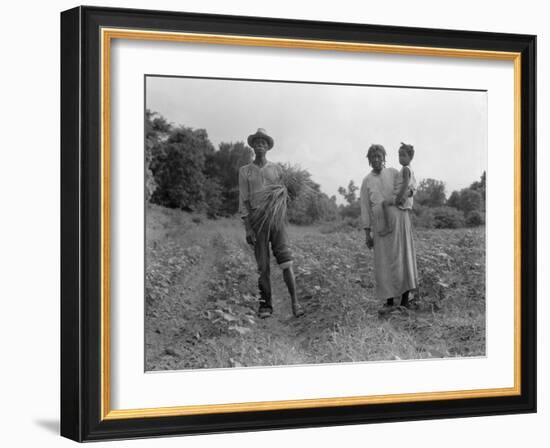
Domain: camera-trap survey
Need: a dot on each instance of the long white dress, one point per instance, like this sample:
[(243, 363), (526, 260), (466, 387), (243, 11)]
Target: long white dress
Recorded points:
[(394, 254)]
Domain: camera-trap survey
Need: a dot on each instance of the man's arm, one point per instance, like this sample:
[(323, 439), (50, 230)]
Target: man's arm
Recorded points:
[(244, 195), (244, 206)]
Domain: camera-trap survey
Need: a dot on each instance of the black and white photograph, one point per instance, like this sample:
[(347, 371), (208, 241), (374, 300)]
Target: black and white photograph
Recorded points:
[(292, 223), (275, 224)]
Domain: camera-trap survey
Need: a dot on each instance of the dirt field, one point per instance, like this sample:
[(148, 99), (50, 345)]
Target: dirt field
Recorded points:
[(201, 302)]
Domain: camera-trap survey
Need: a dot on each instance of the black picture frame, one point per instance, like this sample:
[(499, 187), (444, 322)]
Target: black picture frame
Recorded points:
[(81, 288)]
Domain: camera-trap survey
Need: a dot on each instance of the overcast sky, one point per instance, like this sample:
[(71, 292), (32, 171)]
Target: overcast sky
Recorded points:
[(327, 129)]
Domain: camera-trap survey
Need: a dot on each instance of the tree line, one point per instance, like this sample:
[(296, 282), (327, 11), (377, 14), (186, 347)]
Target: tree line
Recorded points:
[(431, 207), (184, 170), (465, 207)]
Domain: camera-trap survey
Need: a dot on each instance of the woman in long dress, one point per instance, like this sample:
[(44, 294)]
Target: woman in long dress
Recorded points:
[(394, 253)]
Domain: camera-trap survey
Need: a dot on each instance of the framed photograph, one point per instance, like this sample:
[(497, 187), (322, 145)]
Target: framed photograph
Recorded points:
[(273, 223)]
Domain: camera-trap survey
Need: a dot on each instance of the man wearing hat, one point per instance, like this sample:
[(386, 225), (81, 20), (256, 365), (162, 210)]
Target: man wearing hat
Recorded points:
[(252, 180)]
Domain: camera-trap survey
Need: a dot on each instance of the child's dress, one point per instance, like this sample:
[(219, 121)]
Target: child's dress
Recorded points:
[(408, 198)]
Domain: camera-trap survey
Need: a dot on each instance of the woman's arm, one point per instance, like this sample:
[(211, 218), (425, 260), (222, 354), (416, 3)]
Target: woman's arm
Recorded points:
[(366, 213), (366, 206)]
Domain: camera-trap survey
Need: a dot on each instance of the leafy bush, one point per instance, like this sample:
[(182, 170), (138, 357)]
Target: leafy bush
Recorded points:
[(307, 203), (422, 216), (212, 197), (350, 193), (178, 169), (341, 225), (353, 208), (430, 192), (475, 218), (470, 200), (480, 187), (184, 170), (156, 129), (307, 209), (425, 220), (223, 165), (454, 200), (352, 211), (447, 218), (296, 180)]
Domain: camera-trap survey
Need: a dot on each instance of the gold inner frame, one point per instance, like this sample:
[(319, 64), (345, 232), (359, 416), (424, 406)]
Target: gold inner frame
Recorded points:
[(107, 35)]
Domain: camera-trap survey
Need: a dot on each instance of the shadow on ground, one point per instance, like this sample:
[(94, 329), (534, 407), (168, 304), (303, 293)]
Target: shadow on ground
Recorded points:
[(51, 426)]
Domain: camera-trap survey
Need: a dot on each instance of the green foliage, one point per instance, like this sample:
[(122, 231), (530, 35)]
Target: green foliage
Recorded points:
[(344, 225), (475, 218), (464, 207), (213, 197), (183, 170), (297, 181), (155, 125), (307, 204), (480, 187), (431, 193), (353, 209), (470, 200), (223, 165), (156, 129), (422, 216), (447, 218), (454, 200), (303, 211), (178, 169), (350, 193), (437, 217), (308, 209)]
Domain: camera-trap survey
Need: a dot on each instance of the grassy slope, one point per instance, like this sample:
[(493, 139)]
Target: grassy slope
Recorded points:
[(201, 298)]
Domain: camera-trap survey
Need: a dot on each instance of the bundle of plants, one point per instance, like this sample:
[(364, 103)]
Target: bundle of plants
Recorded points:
[(271, 209), (296, 180), (272, 206)]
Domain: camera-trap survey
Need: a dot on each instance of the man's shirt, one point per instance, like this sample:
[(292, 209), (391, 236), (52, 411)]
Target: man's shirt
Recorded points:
[(252, 180)]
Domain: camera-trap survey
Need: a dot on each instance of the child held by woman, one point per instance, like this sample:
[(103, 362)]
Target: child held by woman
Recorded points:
[(404, 187)]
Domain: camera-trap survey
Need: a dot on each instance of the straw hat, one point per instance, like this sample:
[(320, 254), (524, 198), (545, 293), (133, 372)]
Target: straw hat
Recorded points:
[(261, 133)]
